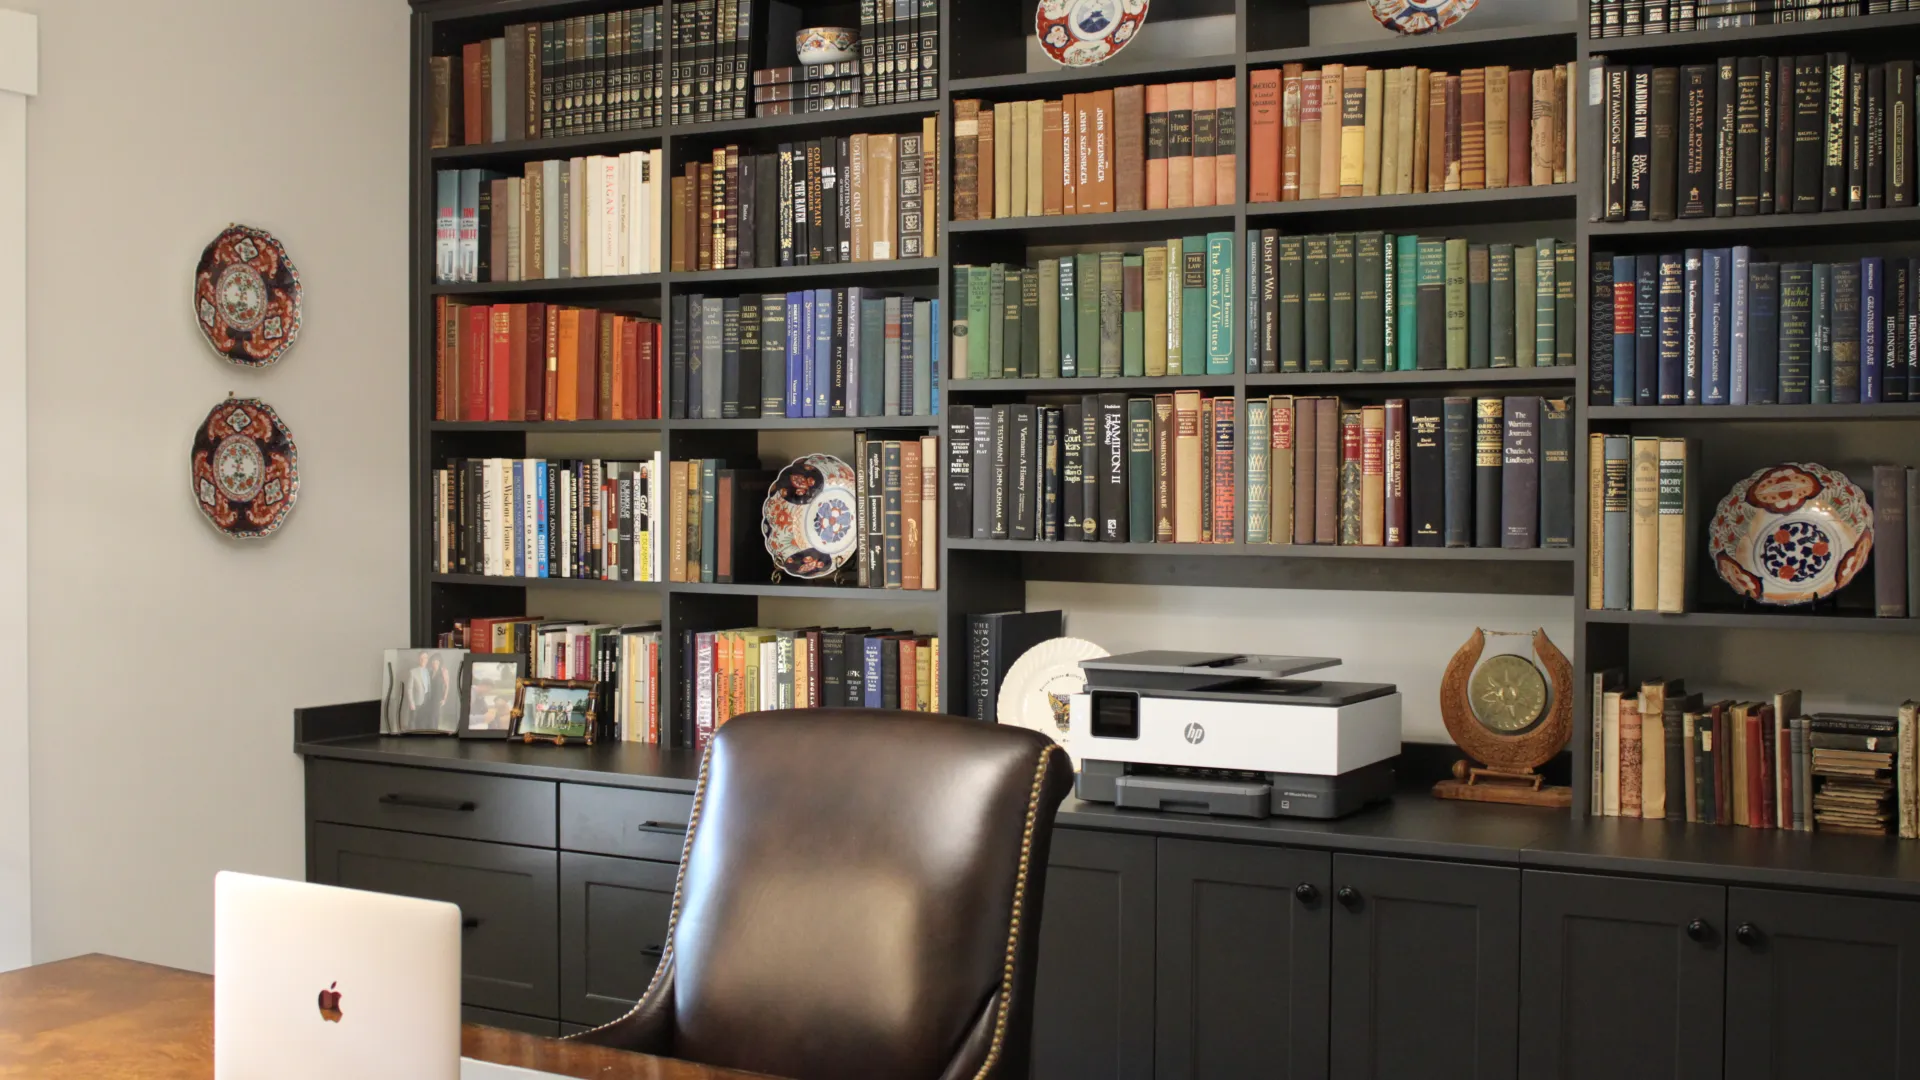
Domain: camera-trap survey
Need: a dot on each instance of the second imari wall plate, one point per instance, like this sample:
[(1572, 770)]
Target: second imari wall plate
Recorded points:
[(246, 471), (1791, 534), (1081, 33), (810, 521), (1420, 16), (246, 297)]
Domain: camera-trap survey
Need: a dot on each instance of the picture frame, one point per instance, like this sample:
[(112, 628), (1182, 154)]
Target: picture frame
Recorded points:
[(559, 711), (421, 693), (489, 686)]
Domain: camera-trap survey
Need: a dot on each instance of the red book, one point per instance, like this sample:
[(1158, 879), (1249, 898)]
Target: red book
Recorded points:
[(532, 375), (1623, 308), (477, 104), (499, 361), (1520, 129), (1224, 463), (1783, 767), (1264, 142), (1768, 781), (514, 375), (586, 387), (909, 678), (1396, 480), (1156, 148), (473, 363), (1756, 773), (648, 382)]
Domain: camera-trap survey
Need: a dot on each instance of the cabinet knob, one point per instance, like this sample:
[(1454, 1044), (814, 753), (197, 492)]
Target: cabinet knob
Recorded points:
[(1698, 929), (1747, 934), (1305, 892), (1348, 896)]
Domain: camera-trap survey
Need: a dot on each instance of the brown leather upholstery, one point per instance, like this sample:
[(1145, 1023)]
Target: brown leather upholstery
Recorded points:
[(859, 897)]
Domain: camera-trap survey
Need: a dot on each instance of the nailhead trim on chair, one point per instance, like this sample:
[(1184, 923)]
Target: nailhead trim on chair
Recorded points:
[(1013, 927)]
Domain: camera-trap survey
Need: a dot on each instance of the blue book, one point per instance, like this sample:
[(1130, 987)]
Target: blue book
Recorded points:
[(1406, 332), (1737, 362), (517, 514), (798, 315), (933, 360), (1693, 316), (1763, 333), (871, 689), (1672, 306), (1872, 355), (541, 569), (1717, 284), (903, 404), (823, 353), (1821, 390), (1646, 330), (1623, 307)]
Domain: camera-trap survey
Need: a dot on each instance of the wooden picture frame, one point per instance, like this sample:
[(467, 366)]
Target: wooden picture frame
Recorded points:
[(541, 701), (489, 689)]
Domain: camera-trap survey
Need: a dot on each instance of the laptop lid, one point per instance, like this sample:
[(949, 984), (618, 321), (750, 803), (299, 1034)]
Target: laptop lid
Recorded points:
[(313, 982)]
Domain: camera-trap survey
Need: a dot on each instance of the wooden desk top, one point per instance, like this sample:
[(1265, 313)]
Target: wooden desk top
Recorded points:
[(103, 1018)]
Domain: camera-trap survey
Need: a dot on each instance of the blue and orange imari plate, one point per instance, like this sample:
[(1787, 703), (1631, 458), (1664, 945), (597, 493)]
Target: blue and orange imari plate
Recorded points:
[(246, 297), (1082, 33), (811, 519), (1791, 534), (246, 472), (1420, 16)]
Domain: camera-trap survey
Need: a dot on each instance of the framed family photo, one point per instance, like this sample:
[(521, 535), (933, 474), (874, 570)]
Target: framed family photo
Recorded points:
[(558, 711), (489, 683), (422, 694)]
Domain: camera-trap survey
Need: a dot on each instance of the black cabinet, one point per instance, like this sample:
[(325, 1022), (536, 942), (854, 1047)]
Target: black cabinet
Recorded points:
[(1621, 977), (613, 926), (506, 896), (1242, 951), (532, 1025), (1822, 986), (1093, 991), (1426, 969)]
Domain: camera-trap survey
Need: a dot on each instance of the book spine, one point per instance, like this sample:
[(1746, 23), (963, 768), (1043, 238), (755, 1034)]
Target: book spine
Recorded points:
[(1519, 495), (1457, 432), (1556, 480), (1890, 512), (1394, 470), (1426, 473), (1834, 177), (1639, 164), (1489, 436), (1726, 105), (1617, 522), (1499, 310)]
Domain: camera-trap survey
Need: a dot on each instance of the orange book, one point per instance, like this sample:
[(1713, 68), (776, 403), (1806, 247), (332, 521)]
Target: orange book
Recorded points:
[(630, 334), (1069, 154), (909, 678), (518, 327), (1292, 84), (1157, 147), (1226, 142), (567, 371), (1205, 138), (474, 339), (1102, 153), (1265, 140), (499, 360), (1052, 192), (446, 348), (617, 377), (1179, 145)]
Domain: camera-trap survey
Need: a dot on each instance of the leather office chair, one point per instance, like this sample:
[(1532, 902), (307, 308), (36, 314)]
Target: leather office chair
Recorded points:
[(859, 896)]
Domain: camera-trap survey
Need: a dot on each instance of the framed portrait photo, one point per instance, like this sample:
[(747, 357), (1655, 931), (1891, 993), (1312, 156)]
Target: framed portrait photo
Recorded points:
[(489, 683), (422, 692), (558, 711)]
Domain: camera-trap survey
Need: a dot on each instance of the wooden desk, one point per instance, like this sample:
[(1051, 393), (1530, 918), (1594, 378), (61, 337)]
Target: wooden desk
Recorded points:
[(103, 1018)]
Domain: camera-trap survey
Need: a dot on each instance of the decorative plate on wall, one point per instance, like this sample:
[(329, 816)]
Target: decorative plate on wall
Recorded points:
[(1420, 16), (810, 521), (246, 297), (1081, 33), (246, 471), (1791, 534), (1041, 683)]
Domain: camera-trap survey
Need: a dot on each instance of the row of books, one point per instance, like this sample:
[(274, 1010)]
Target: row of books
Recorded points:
[(714, 46), (573, 76), (1663, 753), (810, 353), (543, 362), (854, 198), (1755, 135), (1716, 326), (1376, 301), (625, 660), (807, 88), (1643, 502), (1632, 18), (716, 509), (534, 518), (732, 672), (580, 217), (1166, 310), (1128, 148), (1348, 130)]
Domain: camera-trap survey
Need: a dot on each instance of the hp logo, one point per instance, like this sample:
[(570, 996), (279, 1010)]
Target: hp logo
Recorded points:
[(1195, 733)]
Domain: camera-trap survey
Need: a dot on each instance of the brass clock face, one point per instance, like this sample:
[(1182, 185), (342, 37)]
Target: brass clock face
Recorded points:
[(1508, 694)]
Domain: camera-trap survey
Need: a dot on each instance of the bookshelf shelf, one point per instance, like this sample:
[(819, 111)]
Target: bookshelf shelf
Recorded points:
[(816, 123), (548, 426), (1827, 227), (1096, 223), (1550, 202), (1274, 551), (1452, 48), (820, 274), (806, 592), (1112, 73), (1734, 414), (547, 582), (1536, 376), (494, 154), (967, 387), (1842, 621), (810, 423), (572, 288), (1805, 36)]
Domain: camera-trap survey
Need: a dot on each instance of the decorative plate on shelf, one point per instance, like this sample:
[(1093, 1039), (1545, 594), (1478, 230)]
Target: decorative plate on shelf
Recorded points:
[(1420, 16), (246, 297), (246, 471), (810, 521), (1042, 682), (1082, 33), (1791, 534)]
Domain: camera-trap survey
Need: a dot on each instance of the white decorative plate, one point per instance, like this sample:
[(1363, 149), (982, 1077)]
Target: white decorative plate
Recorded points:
[(1040, 684)]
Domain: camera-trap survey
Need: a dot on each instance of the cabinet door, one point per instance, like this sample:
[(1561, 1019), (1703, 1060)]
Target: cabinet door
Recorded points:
[(1620, 977), (1242, 968), (506, 896), (1822, 986), (1426, 969), (1093, 986), (532, 1025), (613, 925)]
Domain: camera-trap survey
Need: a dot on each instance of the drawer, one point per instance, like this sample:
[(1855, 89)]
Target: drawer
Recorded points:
[(613, 928), (628, 822), (499, 809), (508, 898)]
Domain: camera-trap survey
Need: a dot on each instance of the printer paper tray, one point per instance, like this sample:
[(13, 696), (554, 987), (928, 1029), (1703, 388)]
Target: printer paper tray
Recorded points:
[(1234, 798)]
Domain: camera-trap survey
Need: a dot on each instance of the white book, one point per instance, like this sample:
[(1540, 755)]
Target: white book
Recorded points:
[(650, 212), (446, 230), (636, 218), (469, 228), (658, 510), (550, 216), (608, 218), (530, 515), (595, 208), (1610, 755), (490, 527), (623, 211)]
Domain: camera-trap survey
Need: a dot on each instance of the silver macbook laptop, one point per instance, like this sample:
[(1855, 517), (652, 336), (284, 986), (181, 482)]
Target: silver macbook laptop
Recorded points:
[(313, 982)]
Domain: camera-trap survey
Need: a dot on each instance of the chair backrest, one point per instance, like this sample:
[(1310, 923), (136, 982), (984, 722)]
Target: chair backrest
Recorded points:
[(860, 896)]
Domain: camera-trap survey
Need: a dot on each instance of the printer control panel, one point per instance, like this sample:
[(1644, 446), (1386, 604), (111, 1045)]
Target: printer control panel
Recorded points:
[(1115, 714)]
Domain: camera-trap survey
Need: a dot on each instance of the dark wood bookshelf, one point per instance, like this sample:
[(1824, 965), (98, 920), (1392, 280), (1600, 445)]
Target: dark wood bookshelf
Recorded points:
[(569, 287), (1543, 41), (1096, 223), (802, 590), (1089, 384), (820, 274), (1759, 618), (1120, 71), (495, 153), (1433, 377), (1545, 202), (1734, 414), (1273, 551), (1825, 227), (1819, 35)]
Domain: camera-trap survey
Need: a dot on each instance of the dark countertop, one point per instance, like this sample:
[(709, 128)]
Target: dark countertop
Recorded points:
[(1411, 825)]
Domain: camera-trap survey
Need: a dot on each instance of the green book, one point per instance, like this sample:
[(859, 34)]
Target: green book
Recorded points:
[(1133, 316), (1543, 303), (1049, 291), (1086, 271), (1011, 364), (1456, 283), (1140, 469), (1259, 466), (1340, 317), (1369, 301), (1430, 301), (1500, 305), (1293, 280), (1176, 300), (1111, 298), (1220, 277), (1821, 392), (959, 346), (1389, 297), (1193, 306), (1316, 303), (997, 322), (1069, 317), (1406, 328), (1030, 324), (981, 363), (873, 351), (1478, 343), (1525, 278), (1563, 322)]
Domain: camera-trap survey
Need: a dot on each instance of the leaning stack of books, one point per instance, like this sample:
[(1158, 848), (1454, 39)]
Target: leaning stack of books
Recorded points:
[(533, 518), (806, 88), (731, 672), (1643, 501), (573, 76), (543, 362), (581, 217)]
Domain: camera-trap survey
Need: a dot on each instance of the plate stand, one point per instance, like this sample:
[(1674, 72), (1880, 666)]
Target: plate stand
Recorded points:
[(1517, 787)]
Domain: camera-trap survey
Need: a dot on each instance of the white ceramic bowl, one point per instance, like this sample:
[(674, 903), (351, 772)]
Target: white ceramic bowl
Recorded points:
[(827, 44)]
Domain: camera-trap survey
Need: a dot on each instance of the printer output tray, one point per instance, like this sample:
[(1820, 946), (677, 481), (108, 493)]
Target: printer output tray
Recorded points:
[(1270, 794)]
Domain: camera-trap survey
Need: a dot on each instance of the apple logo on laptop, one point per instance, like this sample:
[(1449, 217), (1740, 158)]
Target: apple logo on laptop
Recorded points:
[(330, 1004)]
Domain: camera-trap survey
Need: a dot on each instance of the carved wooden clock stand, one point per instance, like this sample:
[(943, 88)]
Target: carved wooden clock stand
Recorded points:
[(1500, 712)]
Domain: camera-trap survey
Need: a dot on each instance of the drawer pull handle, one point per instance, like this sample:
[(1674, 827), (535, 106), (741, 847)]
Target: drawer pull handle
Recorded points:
[(1747, 934), (662, 826), (653, 951), (428, 802), (469, 923)]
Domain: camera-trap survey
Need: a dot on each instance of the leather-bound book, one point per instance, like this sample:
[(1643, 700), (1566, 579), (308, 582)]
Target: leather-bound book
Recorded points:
[(1052, 160), (1450, 128), (1327, 462), (1314, 303), (1139, 470), (1563, 121), (1876, 142), (1351, 452), (1890, 569), (1280, 480), (1426, 474), (1546, 109), (1340, 302), (1306, 470), (1292, 303), (1456, 303), (1186, 467), (1373, 476), (986, 151), (1017, 144), (1264, 137), (1520, 474), (1036, 158), (1436, 162), (1496, 125), (1225, 469), (1179, 145), (1473, 129), (1643, 545), (442, 99), (1900, 133), (1157, 147), (1857, 135), (1226, 142), (1805, 150), (1833, 195), (1488, 444), (1288, 131), (1479, 303), (1353, 131), (1393, 448), (1519, 128), (1369, 301), (1129, 155), (1205, 137), (1556, 473), (1662, 174), (1073, 477), (1309, 136), (1163, 432), (1746, 136), (1430, 300), (1698, 150), (1778, 158), (1457, 446), (1072, 152)]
